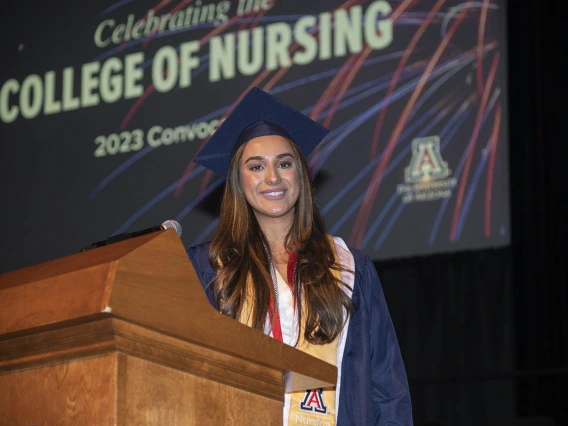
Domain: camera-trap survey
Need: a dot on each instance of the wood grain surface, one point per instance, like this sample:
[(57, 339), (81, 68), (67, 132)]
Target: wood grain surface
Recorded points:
[(81, 392), (158, 395)]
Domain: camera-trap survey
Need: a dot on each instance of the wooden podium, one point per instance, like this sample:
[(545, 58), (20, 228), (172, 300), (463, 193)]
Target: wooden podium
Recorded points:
[(124, 335)]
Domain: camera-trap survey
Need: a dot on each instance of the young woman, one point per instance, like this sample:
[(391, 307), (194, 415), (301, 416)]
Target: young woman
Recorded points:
[(272, 266)]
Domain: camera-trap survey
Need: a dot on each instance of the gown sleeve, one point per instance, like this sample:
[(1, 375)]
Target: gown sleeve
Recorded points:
[(199, 256), (390, 395)]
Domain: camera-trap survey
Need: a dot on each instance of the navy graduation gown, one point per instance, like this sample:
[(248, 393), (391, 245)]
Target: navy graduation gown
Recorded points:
[(374, 388)]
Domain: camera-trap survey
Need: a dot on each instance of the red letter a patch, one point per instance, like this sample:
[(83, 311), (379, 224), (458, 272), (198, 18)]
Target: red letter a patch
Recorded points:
[(313, 401)]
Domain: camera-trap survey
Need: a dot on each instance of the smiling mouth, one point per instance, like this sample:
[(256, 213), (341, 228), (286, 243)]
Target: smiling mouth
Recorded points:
[(274, 193)]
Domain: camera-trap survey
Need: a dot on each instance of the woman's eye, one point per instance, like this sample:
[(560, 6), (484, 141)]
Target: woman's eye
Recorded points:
[(255, 167), (285, 164)]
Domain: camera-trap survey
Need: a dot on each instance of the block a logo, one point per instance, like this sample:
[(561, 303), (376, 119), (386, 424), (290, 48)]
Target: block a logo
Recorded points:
[(427, 176), (313, 401), (426, 162)]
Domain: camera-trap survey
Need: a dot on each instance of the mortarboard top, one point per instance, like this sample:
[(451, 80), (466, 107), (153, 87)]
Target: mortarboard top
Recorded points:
[(257, 106)]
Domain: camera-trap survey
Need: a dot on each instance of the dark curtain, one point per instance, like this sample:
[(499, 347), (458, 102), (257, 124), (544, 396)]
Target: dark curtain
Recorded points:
[(539, 201), (484, 334), (454, 320)]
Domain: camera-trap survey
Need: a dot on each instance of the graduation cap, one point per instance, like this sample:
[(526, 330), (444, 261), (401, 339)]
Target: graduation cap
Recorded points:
[(258, 114)]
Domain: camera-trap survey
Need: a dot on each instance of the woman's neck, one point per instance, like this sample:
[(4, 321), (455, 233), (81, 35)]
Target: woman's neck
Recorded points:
[(275, 231)]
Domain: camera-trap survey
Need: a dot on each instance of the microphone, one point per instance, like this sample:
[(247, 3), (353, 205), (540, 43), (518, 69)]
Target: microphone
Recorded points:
[(168, 224)]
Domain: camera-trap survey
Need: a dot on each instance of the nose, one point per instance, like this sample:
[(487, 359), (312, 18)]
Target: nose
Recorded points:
[(272, 175)]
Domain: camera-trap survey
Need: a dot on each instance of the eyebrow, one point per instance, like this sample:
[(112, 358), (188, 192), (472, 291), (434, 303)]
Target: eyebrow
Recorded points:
[(260, 158)]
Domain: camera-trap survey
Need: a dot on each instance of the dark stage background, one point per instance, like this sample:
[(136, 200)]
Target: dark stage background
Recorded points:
[(475, 277)]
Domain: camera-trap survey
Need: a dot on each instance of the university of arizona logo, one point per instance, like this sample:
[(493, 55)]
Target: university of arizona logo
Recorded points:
[(426, 162), (427, 176), (313, 401)]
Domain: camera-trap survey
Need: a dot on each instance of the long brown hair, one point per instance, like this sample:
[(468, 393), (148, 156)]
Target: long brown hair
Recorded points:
[(238, 250)]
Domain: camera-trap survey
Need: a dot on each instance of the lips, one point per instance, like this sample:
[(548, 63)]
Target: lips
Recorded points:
[(274, 194)]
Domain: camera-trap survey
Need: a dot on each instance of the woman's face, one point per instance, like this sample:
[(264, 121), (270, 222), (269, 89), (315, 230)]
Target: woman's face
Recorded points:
[(269, 177)]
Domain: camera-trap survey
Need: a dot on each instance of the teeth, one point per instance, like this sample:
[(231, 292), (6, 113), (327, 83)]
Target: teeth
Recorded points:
[(274, 194)]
